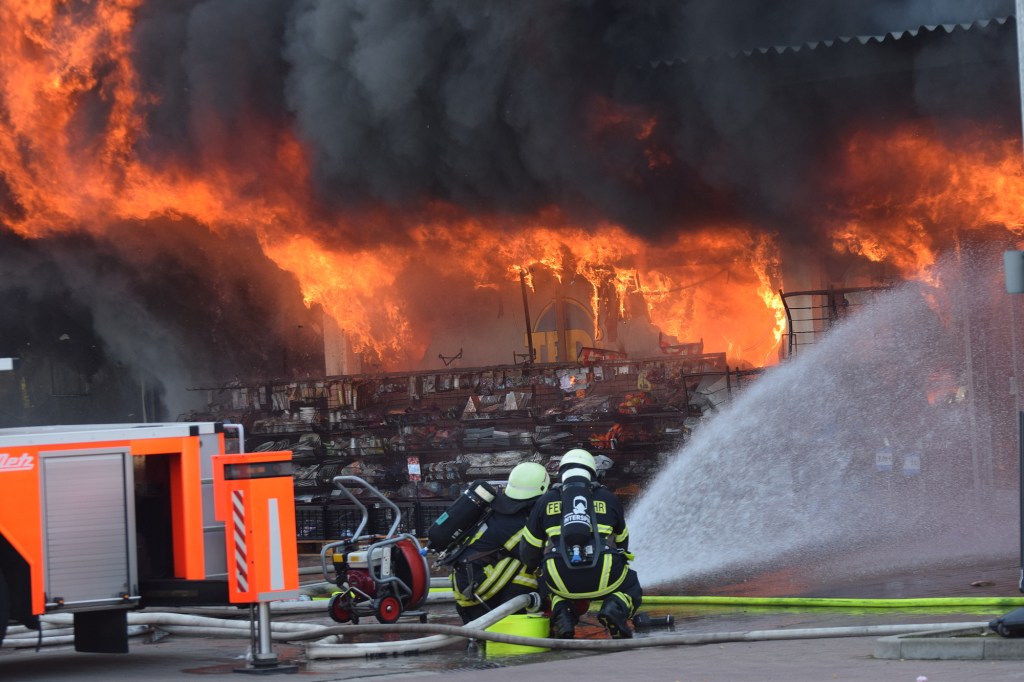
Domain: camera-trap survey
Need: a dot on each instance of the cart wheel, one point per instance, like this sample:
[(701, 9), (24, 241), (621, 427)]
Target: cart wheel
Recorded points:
[(388, 609), (339, 609)]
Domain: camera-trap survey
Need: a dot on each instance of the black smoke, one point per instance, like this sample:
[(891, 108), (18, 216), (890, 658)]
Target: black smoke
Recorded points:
[(125, 327), (490, 106)]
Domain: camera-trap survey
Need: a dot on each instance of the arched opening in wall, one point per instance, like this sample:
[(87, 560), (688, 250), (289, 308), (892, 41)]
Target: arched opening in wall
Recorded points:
[(563, 328)]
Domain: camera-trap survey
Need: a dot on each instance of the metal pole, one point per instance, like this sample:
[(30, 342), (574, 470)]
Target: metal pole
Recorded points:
[(526, 310), (1019, 15), (264, 660), (1019, 11), (265, 655), (1020, 442)]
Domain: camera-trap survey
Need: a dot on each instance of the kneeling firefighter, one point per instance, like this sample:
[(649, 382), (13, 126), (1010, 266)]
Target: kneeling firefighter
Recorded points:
[(578, 529), (486, 569)]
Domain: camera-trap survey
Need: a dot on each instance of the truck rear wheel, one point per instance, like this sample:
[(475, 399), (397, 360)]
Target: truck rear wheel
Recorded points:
[(5, 607)]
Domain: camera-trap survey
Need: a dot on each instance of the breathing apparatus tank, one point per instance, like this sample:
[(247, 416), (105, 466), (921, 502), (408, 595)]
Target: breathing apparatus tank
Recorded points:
[(580, 541), (463, 515)]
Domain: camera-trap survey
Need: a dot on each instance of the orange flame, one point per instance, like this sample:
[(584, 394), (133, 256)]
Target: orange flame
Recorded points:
[(911, 195), (352, 286)]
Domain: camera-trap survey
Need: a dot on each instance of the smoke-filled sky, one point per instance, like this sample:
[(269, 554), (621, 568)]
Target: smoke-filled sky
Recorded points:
[(372, 114)]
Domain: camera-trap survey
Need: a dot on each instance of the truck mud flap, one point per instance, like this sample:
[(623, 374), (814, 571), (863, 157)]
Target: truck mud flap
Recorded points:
[(102, 632)]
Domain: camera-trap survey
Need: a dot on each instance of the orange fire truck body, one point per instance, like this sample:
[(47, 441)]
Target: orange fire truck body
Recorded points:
[(96, 520)]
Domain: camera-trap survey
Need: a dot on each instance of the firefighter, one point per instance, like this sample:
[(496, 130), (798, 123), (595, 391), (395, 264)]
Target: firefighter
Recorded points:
[(578, 530), (487, 571)]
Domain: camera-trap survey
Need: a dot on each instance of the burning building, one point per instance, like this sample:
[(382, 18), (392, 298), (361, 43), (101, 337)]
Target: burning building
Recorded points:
[(200, 193)]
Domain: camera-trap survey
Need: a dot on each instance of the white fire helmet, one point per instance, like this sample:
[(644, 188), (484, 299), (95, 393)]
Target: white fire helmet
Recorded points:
[(574, 461), (527, 480)]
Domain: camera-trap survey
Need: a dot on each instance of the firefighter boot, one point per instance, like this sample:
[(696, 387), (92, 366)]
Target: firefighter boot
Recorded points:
[(614, 615), (563, 620)]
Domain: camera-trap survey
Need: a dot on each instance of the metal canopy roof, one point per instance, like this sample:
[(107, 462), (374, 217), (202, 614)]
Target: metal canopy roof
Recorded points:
[(821, 45)]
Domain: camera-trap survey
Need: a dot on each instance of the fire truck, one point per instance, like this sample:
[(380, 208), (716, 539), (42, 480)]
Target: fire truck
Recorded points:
[(98, 520)]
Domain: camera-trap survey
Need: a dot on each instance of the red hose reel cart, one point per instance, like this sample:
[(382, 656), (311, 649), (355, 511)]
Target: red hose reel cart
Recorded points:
[(382, 576)]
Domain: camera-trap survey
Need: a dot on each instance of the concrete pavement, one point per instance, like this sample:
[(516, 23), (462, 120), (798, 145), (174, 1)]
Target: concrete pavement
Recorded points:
[(814, 660)]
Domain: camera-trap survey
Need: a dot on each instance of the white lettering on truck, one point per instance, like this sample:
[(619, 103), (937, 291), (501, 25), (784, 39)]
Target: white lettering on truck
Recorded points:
[(8, 462)]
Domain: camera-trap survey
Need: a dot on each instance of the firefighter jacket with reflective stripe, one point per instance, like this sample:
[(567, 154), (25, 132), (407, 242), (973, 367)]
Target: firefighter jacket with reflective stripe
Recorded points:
[(490, 561), (544, 527)]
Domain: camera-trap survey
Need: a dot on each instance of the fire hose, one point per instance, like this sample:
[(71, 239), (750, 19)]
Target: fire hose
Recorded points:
[(439, 635), (186, 624), (56, 625), (315, 651)]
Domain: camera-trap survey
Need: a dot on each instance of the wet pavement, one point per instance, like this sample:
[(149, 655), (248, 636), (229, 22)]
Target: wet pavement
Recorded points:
[(176, 656)]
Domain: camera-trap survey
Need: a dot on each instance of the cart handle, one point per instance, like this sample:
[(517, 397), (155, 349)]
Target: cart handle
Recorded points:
[(339, 483)]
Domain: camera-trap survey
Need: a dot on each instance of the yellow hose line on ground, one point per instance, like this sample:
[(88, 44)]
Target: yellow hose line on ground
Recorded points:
[(829, 602), (1001, 602)]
